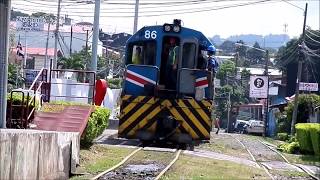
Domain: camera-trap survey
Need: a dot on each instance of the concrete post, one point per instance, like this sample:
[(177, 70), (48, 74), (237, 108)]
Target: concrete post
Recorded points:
[(4, 49), (95, 36)]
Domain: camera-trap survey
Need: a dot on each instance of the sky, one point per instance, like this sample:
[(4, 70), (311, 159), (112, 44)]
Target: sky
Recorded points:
[(262, 18)]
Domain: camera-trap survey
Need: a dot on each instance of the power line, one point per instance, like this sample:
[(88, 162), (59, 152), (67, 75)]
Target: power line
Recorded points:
[(174, 13), (293, 4), (313, 33), (312, 39)]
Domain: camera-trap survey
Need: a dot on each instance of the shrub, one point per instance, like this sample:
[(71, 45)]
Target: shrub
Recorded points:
[(306, 102), (315, 137), (290, 148), (282, 136), (17, 110), (97, 122), (308, 135)]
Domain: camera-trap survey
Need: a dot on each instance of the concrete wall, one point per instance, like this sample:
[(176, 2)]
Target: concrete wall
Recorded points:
[(32, 154)]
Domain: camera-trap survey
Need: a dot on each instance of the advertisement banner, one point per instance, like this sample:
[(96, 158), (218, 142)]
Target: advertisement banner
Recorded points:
[(30, 23)]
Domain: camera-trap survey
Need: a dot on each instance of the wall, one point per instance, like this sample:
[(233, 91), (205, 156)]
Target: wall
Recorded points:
[(31, 154)]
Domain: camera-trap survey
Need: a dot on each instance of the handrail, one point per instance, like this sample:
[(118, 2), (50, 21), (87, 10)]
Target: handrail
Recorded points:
[(28, 99), (36, 79)]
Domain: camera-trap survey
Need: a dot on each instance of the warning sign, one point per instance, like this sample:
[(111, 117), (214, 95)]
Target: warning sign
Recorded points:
[(258, 86)]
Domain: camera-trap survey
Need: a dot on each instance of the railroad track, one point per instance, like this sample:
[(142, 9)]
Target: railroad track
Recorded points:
[(280, 156), (142, 167)]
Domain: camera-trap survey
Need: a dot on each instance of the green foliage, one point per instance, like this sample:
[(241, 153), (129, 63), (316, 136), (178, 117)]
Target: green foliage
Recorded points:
[(15, 79), (282, 136), (114, 83), (255, 55), (304, 138), (306, 104), (226, 68), (315, 137), (291, 148), (228, 46), (97, 122)]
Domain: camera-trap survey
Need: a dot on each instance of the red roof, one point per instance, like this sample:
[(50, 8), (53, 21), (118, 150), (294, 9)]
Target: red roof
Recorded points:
[(38, 51)]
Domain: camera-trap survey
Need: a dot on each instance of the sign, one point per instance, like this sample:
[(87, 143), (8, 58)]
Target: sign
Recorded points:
[(258, 86), (30, 23), (217, 83), (273, 89), (308, 86)]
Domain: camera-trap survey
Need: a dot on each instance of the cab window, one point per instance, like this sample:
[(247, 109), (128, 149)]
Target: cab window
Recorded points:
[(142, 53), (188, 55)]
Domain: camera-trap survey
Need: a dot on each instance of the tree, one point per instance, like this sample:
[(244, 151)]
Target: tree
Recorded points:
[(15, 78), (77, 61), (228, 47), (242, 50), (226, 68), (255, 55)]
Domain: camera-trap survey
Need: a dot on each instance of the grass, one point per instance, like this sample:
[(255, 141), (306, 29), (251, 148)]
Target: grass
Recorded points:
[(188, 167), (288, 174), (145, 157), (292, 158), (226, 145), (303, 159), (266, 139), (99, 158)]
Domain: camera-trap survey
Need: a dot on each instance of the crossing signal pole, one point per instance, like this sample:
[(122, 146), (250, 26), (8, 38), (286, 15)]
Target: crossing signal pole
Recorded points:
[(295, 109)]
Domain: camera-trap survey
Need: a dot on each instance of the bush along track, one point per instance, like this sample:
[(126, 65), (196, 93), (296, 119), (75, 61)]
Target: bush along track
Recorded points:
[(308, 136), (273, 162), (142, 164), (97, 122)]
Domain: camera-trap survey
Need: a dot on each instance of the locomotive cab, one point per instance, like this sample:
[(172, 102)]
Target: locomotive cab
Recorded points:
[(167, 92)]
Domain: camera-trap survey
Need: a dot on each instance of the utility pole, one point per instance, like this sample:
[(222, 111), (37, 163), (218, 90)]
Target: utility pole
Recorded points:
[(4, 48), (95, 36), (295, 109), (267, 100), (136, 14), (71, 38), (229, 106), (56, 36), (47, 43)]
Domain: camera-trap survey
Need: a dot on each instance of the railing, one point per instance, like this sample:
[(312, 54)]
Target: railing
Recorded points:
[(82, 78), (25, 110)]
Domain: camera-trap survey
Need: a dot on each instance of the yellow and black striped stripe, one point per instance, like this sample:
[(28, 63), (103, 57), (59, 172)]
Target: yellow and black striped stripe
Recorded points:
[(142, 112)]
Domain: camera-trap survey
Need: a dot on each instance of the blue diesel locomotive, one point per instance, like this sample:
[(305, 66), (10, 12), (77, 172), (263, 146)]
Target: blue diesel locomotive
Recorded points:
[(168, 91)]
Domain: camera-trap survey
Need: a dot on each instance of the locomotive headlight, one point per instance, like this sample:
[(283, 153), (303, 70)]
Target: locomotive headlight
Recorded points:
[(167, 27), (176, 28)]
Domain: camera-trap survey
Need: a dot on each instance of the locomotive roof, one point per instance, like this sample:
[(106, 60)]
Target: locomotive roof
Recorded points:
[(183, 34)]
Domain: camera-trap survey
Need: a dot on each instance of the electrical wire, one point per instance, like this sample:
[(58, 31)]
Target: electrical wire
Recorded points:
[(173, 13), (313, 33), (312, 39), (293, 4)]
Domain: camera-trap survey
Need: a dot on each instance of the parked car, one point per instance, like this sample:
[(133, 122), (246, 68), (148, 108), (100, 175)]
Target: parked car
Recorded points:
[(254, 126), (239, 126)]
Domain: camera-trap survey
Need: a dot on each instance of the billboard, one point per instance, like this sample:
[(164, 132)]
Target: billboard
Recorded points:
[(308, 86), (30, 23), (258, 86)]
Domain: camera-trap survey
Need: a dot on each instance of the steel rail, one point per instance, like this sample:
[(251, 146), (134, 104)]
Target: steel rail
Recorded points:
[(117, 165), (254, 159), (169, 165), (287, 161)]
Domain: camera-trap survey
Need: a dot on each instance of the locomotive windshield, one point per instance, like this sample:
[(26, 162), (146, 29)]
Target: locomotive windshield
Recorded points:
[(142, 53)]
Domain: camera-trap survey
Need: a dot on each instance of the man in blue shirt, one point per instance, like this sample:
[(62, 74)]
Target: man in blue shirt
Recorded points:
[(212, 64)]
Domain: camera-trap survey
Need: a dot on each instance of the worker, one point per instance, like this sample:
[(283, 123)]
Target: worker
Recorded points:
[(136, 59), (172, 63), (212, 64)]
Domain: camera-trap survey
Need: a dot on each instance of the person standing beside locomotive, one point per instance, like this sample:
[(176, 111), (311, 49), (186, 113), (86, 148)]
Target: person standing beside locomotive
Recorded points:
[(212, 63)]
